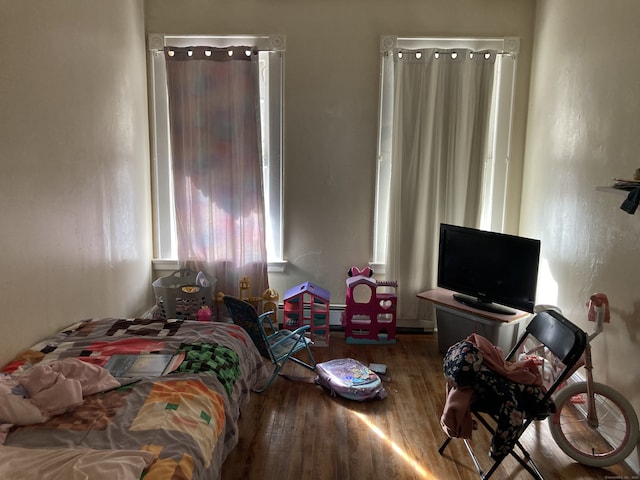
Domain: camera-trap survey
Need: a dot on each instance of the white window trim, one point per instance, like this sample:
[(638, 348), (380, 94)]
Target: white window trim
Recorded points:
[(497, 167), (273, 158)]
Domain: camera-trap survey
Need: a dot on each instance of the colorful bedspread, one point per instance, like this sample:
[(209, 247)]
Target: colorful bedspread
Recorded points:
[(178, 426)]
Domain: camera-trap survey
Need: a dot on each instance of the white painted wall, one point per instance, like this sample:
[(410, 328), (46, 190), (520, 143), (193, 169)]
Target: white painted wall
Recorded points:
[(74, 166), (584, 130), (331, 107)]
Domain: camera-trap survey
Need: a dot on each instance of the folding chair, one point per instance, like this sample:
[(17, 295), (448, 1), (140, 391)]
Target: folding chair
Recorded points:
[(549, 337), (275, 345)]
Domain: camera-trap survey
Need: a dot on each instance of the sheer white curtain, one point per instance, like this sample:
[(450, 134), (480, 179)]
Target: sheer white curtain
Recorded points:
[(441, 114), (217, 178)]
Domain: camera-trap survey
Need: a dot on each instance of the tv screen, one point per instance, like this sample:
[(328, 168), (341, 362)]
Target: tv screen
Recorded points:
[(488, 270)]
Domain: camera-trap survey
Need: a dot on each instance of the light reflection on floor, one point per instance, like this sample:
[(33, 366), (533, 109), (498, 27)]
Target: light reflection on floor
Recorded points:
[(420, 470)]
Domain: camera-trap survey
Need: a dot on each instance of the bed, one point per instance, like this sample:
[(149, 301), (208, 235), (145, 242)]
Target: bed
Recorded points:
[(180, 425)]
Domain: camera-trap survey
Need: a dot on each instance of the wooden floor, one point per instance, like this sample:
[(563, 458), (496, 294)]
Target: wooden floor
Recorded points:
[(295, 430)]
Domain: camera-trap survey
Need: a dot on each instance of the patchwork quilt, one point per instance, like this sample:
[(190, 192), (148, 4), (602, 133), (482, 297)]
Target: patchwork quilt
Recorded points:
[(181, 425)]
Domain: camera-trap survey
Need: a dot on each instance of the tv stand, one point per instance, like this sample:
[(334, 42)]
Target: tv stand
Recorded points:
[(455, 321), (480, 305)]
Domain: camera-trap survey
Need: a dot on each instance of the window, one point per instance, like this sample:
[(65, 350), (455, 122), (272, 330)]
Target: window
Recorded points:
[(271, 57), (496, 164)]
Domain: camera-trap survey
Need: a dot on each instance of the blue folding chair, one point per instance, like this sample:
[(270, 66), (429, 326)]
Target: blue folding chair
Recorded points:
[(275, 345)]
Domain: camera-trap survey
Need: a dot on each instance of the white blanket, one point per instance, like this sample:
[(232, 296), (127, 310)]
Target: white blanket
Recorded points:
[(50, 389)]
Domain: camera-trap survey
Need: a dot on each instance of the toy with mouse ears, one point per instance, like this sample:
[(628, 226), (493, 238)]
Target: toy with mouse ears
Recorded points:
[(365, 272)]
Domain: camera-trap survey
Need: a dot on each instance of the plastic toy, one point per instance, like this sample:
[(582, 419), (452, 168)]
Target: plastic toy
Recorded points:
[(204, 314), (245, 292), (308, 304), (370, 312), (270, 298)]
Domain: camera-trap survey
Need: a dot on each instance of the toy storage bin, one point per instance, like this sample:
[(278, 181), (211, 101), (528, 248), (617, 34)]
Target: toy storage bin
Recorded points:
[(179, 295), (454, 325)]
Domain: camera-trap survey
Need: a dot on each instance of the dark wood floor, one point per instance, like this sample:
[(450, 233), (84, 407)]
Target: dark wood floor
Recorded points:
[(295, 430)]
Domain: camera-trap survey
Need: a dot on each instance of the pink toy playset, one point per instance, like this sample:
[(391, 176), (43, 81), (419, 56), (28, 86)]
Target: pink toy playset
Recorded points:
[(370, 313), (308, 304)]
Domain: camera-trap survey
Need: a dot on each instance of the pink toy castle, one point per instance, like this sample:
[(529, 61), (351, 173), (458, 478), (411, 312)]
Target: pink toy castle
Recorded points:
[(308, 304), (370, 313)]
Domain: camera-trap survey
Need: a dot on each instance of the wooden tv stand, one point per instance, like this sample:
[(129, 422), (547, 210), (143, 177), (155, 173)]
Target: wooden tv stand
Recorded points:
[(456, 321)]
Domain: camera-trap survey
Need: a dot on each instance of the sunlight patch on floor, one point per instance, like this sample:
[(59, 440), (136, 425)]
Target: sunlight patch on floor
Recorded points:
[(394, 446)]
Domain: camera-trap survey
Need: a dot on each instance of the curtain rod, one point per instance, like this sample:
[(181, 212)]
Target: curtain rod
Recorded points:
[(272, 43), (446, 51), (502, 45), (449, 50)]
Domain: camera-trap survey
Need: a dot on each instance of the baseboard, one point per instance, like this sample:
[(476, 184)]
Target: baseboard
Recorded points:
[(335, 321)]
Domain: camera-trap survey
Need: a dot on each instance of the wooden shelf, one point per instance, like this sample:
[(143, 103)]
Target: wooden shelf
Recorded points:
[(612, 190), (441, 296)]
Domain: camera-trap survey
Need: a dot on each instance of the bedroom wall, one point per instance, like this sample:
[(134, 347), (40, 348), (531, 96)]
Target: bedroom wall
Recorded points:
[(331, 107), (583, 130), (74, 166)]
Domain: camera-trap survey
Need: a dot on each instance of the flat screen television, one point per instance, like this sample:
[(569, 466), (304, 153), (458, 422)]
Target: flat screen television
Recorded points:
[(488, 270)]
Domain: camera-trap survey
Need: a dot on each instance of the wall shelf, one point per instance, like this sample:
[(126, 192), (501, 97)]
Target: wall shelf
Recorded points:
[(612, 190)]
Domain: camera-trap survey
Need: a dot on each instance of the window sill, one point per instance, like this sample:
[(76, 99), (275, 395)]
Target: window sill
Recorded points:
[(162, 265), (378, 268), (277, 266)]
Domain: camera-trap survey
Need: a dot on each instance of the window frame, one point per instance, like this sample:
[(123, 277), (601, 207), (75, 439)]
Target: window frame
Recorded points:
[(271, 50), (496, 166)]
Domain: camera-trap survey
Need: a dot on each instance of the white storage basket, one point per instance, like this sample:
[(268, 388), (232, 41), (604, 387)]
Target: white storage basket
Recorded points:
[(179, 295)]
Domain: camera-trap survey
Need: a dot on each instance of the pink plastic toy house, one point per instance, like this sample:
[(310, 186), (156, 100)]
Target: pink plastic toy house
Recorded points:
[(308, 304), (370, 313)]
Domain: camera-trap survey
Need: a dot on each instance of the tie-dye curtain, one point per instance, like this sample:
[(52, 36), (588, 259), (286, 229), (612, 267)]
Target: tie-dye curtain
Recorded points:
[(215, 149)]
